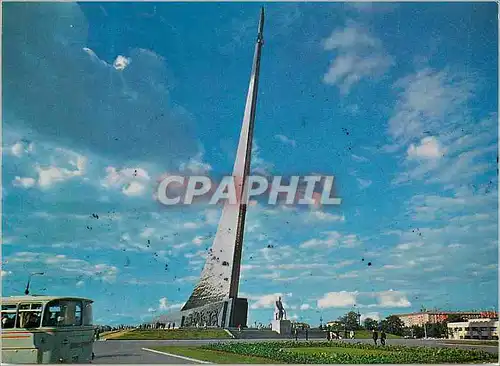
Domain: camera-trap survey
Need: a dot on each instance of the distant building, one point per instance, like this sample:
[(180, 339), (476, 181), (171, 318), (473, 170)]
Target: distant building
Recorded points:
[(433, 317), (301, 325), (335, 324), (474, 329)]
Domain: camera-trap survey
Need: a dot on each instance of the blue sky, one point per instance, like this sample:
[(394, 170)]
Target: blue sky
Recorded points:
[(397, 101)]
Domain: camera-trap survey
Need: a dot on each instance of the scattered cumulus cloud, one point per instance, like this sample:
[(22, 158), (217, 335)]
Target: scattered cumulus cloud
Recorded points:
[(121, 63), (24, 182), (392, 299), (342, 299), (195, 165), (428, 148), (364, 183), (371, 315), (358, 56), (285, 140)]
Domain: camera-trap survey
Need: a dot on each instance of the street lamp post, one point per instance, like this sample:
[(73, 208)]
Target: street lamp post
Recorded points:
[(27, 290)]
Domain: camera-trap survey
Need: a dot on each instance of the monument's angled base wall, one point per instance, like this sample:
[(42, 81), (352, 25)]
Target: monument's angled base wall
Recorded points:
[(224, 314)]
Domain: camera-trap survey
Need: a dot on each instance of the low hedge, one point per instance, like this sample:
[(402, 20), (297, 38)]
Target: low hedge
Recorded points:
[(393, 354)]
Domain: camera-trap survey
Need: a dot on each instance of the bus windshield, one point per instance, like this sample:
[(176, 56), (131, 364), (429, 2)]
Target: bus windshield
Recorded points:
[(63, 313)]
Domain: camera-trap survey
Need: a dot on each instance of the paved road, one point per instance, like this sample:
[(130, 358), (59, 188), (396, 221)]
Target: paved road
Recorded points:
[(131, 352)]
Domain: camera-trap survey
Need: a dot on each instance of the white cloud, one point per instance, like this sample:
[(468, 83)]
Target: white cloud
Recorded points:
[(196, 165), (340, 299), (54, 264), (130, 180), (212, 216), (332, 239), (285, 140), (133, 189), (5, 273), (191, 225), (24, 182), (259, 165), (407, 246), (359, 56), (20, 148), (358, 158), (392, 299), (317, 215), (121, 63), (80, 284), (429, 101), (267, 301), (371, 315), (198, 240), (147, 232), (429, 148), (52, 174), (305, 307), (352, 274), (364, 183), (163, 303)]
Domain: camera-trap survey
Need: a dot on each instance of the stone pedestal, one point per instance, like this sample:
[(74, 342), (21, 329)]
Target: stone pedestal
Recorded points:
[(282, 326)]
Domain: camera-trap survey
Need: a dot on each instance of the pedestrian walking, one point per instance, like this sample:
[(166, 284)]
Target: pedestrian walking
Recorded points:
[(328, 336), (296, 332), (382, 338), (375, 336), (307, 334), (351, 334)]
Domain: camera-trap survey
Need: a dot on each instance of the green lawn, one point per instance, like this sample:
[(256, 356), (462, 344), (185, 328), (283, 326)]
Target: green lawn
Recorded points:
[(214, 356), (174, 334)]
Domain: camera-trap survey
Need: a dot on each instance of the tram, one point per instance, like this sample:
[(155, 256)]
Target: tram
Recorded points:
[(47, 329)]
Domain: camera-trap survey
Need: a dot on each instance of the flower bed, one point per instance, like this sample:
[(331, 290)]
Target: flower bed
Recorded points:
[(280, 351)]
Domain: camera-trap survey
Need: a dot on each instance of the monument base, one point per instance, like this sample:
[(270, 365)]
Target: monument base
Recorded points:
[(282, 326), (228, 313)]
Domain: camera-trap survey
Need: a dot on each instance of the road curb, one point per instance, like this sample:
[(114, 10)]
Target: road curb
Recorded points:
[(173, 355)]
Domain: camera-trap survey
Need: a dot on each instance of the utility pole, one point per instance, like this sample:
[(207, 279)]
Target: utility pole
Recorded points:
[(27, 290)]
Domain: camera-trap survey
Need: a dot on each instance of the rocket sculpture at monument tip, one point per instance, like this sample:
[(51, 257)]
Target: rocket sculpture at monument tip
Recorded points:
[(219, 282)]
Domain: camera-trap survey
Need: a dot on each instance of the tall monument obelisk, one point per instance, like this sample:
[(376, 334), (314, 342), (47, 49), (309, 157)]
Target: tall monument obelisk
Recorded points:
[(214, 300)]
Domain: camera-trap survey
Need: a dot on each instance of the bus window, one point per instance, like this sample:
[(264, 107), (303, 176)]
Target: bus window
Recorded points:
[(9, 313), (30, 315), (87, 314), (63, 313)]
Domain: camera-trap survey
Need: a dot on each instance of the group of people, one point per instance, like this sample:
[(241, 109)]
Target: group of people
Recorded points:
[(336, 335), (383, 336), (296, 333)]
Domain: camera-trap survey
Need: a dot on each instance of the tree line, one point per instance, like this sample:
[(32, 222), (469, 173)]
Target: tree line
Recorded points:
[(393, 325)]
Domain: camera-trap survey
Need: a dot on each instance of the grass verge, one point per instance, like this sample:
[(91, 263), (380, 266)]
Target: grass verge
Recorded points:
[(214, 355), (174, 334)]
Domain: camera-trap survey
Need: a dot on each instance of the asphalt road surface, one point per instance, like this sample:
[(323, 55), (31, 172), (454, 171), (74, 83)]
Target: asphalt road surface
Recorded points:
[(131, 352)]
